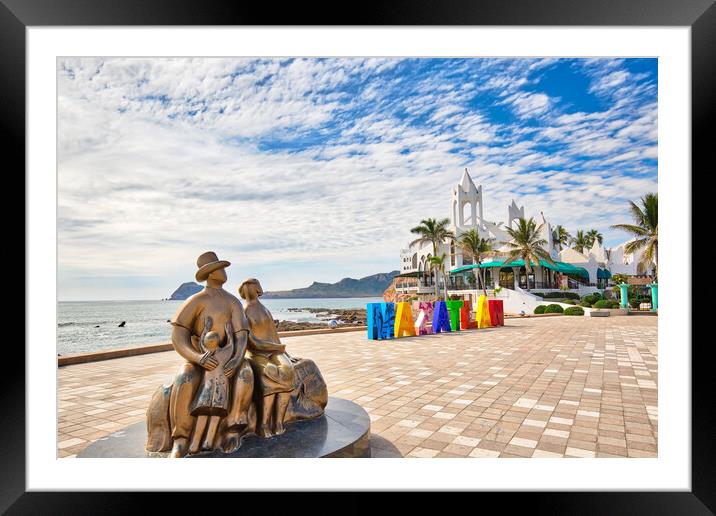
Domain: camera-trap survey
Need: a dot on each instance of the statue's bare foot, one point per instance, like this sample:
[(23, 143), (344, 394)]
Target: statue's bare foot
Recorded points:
[(231, 442), (179, 449), (264, 431), (279, 429)]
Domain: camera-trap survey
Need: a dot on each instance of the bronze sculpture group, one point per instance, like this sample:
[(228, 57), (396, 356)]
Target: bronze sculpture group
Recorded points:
[(237, 380)]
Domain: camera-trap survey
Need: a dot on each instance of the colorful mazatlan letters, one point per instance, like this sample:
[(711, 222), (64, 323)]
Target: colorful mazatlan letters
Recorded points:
[(387, 321), (497, 313), (423, 324), (466, 320), (441, 317), (404, 321), (380, 321), (454, 307), (483, 312)]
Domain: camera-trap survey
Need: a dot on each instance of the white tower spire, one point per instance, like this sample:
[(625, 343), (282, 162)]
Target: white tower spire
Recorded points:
[(465, 192)]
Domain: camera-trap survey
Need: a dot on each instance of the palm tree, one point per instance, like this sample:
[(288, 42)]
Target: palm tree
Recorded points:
[(435, 232), (646, 230), (580, 242), (475, 246), (592, 235), (561, 237), (438, 263), (527, 244)]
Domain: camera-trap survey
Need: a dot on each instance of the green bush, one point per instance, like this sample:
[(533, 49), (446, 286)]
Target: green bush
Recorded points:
[(553, 309), (592, 298), (569, 302), (574, 310), (615, 303), (586, 303), (540, 294), (604, 303), (540, 309)]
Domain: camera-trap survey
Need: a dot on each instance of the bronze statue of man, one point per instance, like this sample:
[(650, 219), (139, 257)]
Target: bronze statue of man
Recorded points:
[(226, 314)]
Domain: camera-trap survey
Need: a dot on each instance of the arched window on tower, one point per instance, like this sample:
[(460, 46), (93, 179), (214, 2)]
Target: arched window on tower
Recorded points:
[(467, 214)]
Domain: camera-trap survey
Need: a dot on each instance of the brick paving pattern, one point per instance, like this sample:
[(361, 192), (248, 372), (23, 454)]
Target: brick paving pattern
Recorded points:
[(537, 387)]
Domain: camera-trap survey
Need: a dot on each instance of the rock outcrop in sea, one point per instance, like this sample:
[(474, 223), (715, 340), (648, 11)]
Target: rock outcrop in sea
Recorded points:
[(185, 290)]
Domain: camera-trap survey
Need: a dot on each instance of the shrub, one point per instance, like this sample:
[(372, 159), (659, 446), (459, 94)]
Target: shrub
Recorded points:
[(604, 303), (574, 310), (540, 309), (569, 302), (553, 309), (540, 294), (586, 303), (592, 298), (571, 295), (615, 304)]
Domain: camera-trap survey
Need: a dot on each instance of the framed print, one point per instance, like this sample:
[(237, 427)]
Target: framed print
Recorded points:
[(420, 233)]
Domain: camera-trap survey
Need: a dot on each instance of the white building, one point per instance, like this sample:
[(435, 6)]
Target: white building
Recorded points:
[(579, 271)]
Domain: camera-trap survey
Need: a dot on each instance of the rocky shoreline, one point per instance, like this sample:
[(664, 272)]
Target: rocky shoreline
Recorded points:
[(344, 317)]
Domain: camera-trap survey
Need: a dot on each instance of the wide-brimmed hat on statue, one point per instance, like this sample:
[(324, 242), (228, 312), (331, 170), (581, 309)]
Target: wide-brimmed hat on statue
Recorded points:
[(208, 263)]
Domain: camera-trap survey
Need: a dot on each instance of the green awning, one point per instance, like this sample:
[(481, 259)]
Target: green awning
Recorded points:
[(564, 268), (603, 274)]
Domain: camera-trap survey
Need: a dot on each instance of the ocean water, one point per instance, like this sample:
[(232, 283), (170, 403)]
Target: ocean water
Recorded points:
[(84, 326)]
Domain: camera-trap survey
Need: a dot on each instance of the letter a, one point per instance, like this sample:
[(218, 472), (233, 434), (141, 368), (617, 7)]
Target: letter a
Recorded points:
[(441, 318), (404, 321)]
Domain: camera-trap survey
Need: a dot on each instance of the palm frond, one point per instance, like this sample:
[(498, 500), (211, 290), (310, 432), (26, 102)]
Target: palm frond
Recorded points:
[(631, 228)]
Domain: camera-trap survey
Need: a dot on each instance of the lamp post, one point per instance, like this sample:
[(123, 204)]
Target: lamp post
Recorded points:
[(624, 289)]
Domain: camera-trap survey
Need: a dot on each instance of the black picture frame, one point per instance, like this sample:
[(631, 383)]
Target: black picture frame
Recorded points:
[(700, 15)]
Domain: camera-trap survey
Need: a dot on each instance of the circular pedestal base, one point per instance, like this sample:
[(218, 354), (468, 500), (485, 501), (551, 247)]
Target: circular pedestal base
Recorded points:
[(342, 431)]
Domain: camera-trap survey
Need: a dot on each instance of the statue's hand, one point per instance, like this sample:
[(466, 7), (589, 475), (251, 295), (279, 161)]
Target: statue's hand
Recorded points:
[(207, 361), (230, 367)]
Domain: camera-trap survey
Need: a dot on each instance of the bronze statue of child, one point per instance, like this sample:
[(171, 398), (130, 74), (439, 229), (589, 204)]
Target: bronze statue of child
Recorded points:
[(211, 402)]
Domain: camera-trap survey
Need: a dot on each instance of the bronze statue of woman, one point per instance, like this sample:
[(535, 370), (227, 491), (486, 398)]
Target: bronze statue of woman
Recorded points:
[(273, 368)]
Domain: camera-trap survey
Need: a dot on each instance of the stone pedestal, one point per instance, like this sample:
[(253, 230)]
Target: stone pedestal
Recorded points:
[(343, 431)]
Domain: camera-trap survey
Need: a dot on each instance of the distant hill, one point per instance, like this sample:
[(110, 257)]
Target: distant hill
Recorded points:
[(186, 290), (370, 286)]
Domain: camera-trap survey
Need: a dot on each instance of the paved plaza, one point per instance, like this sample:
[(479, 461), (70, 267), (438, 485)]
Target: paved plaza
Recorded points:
[(537, 387)]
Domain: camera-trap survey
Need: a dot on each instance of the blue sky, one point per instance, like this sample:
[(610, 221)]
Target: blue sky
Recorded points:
[(316, 169)]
